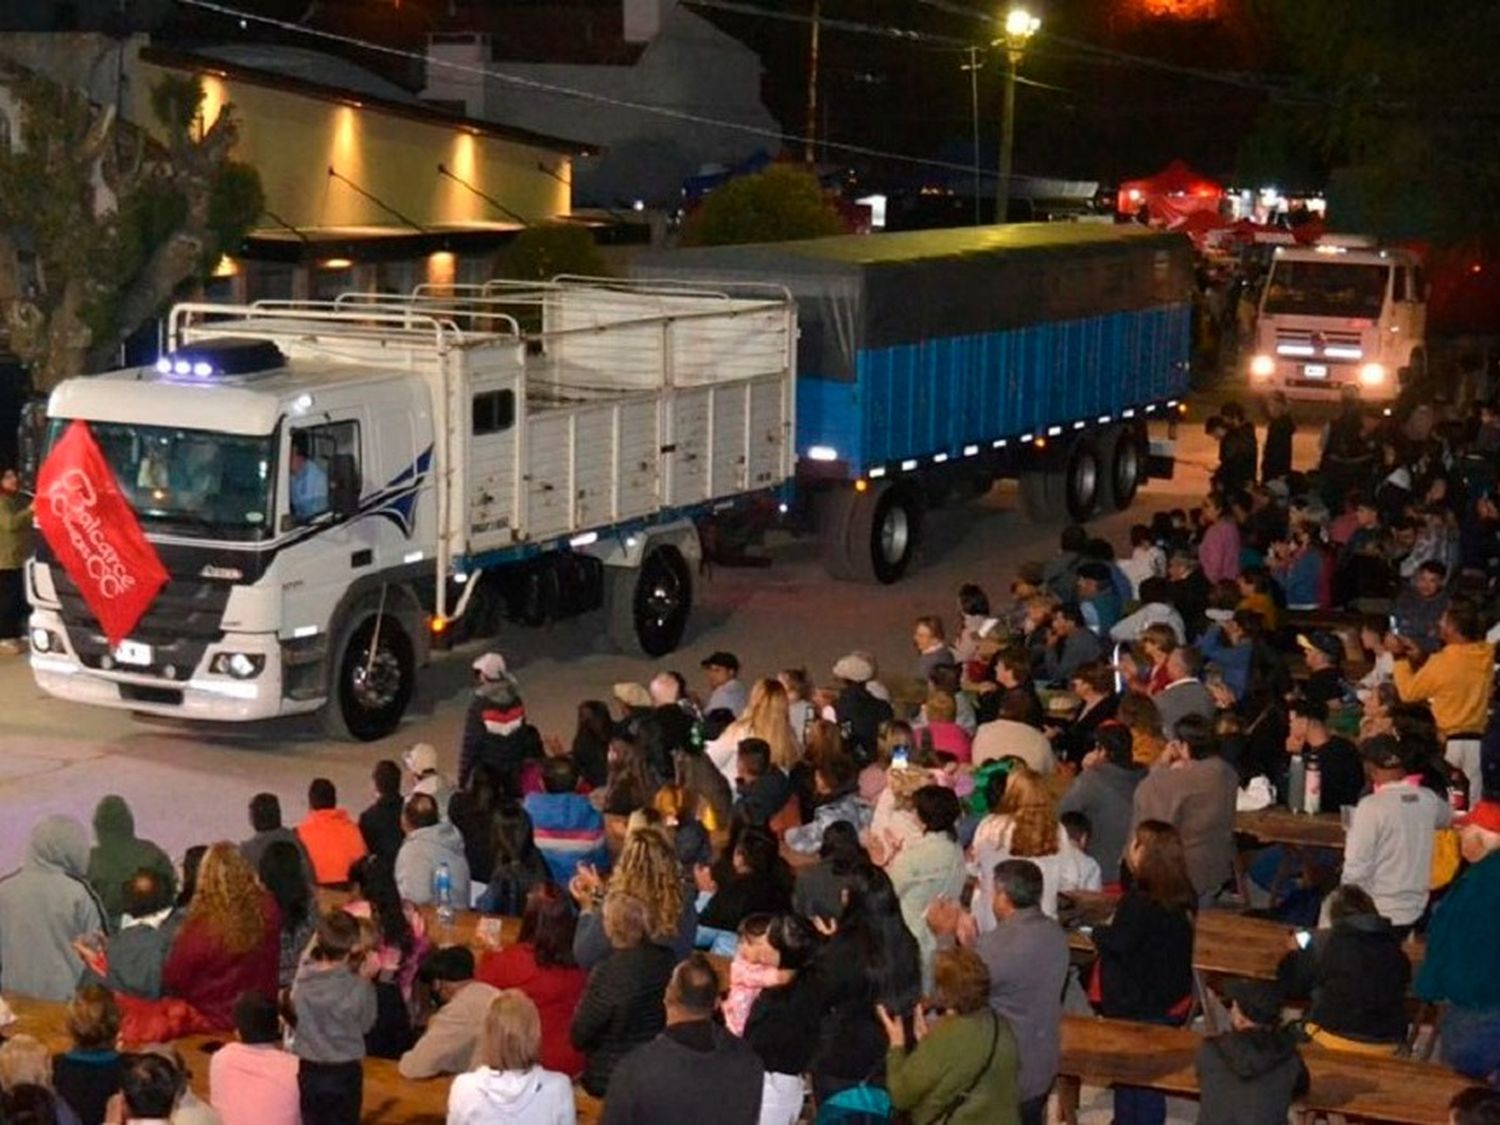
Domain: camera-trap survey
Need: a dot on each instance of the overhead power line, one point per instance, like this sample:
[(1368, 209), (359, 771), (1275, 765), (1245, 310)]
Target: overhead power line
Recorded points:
[(559, 90)]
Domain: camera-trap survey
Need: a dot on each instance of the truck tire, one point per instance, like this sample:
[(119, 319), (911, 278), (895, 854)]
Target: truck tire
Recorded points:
[(885, 528), (834, 510), (1124, 462), (367, 699), (1081, 479), (1041, 495), (648, 606)]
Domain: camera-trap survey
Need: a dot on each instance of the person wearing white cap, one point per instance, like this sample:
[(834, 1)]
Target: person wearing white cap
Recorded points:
[(495, 728), (421, 762), (857, 709)]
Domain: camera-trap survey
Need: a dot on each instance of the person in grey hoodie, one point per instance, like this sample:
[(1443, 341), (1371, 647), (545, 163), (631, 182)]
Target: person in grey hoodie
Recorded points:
[(1251, 1074), (45, 907), (334, 1004), (430, 843)]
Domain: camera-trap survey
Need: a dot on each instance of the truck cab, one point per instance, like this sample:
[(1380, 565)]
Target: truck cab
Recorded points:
[(266, 491), (1340, 314)]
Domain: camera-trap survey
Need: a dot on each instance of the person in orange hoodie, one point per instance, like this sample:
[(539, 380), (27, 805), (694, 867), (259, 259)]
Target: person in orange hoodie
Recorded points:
[(332, 840)]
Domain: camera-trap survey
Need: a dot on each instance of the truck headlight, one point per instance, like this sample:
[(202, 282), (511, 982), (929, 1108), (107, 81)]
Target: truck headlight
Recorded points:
[(44, 640), (1262, 367), (239, 665), (1372, 374)]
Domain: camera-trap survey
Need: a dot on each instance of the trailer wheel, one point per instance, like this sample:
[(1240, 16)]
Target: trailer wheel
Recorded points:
[(1124, 465), (833, 510), (884, 530), (369, 693), (1041, 494), (1081, 479), (648, 607)]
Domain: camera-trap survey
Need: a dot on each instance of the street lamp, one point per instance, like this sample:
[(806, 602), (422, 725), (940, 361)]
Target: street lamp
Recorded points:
[(1020, 26)]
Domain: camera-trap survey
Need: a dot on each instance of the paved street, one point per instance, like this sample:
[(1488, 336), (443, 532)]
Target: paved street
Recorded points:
[(190, 783)]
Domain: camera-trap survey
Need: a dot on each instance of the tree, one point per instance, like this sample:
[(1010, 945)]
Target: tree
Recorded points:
[(1400, 101), (101, 225), (776, 205), (542, 252)]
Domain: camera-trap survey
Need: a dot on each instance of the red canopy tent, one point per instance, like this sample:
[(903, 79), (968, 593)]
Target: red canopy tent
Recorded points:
[(1170, 196)]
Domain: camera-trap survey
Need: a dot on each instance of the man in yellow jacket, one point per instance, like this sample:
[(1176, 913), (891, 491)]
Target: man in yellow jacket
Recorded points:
[(1456, 681)]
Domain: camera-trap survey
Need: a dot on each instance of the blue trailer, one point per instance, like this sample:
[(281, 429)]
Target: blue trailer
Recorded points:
[(935, 361)]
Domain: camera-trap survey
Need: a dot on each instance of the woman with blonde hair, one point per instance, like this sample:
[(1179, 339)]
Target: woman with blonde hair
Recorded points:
[(621, 1005), (647, 870), (767, 716), (1023, 824), (509, 1085), (229, 943)]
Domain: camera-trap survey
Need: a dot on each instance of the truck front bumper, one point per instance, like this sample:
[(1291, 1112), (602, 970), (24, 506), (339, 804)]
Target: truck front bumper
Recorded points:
[(202, 695)]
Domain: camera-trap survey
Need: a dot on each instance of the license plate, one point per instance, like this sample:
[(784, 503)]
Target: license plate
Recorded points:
[(134, 653), (1315, 370)]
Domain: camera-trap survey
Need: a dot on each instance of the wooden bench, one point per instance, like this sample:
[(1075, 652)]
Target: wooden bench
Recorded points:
[(1104, 1052), (389, 1099)]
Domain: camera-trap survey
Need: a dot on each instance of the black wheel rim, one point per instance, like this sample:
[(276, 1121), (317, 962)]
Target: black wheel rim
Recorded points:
[(662, 599), (374, 692)]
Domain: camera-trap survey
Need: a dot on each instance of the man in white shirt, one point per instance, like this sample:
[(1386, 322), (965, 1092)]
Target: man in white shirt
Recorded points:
[(727, 691), (1388, 851)]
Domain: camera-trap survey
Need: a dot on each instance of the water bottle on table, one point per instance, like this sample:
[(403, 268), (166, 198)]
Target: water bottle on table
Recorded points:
[(1312, 787), (442, 894)]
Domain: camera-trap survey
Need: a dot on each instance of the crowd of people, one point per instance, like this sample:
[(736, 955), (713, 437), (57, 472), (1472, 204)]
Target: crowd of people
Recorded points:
[(846, 896)]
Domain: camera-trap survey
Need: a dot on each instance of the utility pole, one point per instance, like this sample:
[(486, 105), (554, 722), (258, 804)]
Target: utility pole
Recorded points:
[(810, 145), (1020, 26), (973, 68)]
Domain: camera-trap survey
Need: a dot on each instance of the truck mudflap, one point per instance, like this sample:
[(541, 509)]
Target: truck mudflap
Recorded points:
[(1161, 462)]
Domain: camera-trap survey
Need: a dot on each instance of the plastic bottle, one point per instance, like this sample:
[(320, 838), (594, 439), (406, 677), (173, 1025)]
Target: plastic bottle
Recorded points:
[(1458, 790), (442, 891), (1312, 787), (1295, 776)]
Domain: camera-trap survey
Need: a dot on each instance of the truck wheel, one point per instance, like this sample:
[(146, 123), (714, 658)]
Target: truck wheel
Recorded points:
[(833, 510), (367, 696), (1081, 480), (1041, 495), (884, 530), (648, 607), (1123, 461)]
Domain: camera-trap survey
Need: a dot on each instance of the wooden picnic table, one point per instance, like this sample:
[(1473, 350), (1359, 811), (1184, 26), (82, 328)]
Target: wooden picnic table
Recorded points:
[(1361, 1087), (1231, 945), (1277, 824)]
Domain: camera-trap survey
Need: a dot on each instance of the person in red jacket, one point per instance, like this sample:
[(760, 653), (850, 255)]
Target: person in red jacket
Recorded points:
[(541, 965), (230, 942), (332, 840)]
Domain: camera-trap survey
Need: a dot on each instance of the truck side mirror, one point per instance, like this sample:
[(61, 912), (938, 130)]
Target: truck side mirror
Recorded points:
[(343, 485)]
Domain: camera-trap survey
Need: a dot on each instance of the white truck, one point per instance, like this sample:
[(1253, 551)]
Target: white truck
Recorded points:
[(1339, 314), (333, 485)]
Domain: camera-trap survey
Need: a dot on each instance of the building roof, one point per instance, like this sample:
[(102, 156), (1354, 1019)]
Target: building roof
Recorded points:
[(312, 74), (558, 33)]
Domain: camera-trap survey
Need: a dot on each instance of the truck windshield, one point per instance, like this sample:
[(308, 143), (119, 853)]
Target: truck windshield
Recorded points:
[(1350, 289), (190, 482)]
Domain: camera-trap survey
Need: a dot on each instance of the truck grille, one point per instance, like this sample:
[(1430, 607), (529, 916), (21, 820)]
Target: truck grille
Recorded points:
[(183, 620), (1308, 343)]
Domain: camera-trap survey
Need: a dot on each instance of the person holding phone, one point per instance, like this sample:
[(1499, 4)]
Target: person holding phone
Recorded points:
[(1355, 975)]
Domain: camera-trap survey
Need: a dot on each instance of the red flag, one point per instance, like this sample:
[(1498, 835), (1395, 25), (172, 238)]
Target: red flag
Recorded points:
[(91, 528)]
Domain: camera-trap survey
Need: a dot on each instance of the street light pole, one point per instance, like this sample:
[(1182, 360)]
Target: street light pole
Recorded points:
[(1020, 26), (810, 145), (973, 68)]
